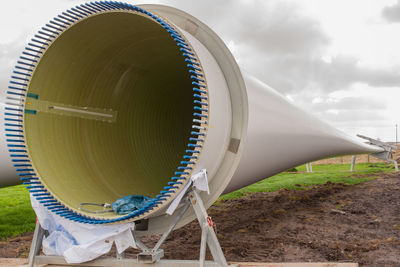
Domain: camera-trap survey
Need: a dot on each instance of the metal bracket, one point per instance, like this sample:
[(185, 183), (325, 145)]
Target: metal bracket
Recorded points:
[(148, 256), (384, 155)]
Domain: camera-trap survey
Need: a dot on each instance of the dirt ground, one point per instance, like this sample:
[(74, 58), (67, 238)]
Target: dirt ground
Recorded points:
[(332, 222)]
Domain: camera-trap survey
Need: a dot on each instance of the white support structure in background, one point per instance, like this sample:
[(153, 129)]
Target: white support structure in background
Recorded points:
[(308, 167), (386, 155), (353, 162)]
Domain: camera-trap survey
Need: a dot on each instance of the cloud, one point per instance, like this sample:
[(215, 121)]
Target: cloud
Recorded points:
[(277, 28), (344, 111), (279, 43), (274, 40), (9, 54), (392, 13), (348, 117), (308, 71), (344, 71), (348, 104), (270, 26)]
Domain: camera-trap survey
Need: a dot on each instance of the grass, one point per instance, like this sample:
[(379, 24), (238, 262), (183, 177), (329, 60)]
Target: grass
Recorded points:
[(335, 173), (17, 216)]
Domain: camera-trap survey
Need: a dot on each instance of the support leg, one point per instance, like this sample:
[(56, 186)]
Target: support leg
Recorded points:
[(152, 255), (36, 244), (353, 162), (171, 227), (203, 218), (120, 256), (208, 236), (203, 247), (396, 165), (308, 167)]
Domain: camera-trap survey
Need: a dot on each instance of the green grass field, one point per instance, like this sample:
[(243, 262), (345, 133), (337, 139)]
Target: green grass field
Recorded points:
[(335, 173), (17, 216)]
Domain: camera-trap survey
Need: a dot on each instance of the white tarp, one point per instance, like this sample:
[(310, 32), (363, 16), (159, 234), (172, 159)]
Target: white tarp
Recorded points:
[(199, 181), (79, 242)]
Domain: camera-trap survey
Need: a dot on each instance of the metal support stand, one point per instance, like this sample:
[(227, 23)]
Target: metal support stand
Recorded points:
[(308, 167), (353, 162), (208, 235), (36, 244), (149, 256), (386, 154)]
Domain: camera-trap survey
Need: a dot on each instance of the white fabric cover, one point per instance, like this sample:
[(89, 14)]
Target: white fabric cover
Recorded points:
[(79, 242), (199, 181)]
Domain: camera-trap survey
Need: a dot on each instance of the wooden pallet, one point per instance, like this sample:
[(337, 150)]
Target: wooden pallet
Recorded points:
[(11, 262)]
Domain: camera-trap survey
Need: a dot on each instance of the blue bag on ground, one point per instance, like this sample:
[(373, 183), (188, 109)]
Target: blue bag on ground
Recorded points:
[(128, 204)]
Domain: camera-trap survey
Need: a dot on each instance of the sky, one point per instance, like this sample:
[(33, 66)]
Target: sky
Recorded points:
[(337, 59)]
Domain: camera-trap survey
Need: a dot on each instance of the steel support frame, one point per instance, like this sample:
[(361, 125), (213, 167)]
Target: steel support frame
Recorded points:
[(384, 155), (148, 256)]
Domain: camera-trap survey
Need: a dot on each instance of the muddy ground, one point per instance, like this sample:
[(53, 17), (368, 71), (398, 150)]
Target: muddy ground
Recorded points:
[(332, 222)]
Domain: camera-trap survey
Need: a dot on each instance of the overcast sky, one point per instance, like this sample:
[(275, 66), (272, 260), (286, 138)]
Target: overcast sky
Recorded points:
[(339, 60)]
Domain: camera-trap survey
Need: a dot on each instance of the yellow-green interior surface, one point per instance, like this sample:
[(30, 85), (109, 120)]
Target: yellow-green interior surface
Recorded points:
[(125, 62)]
